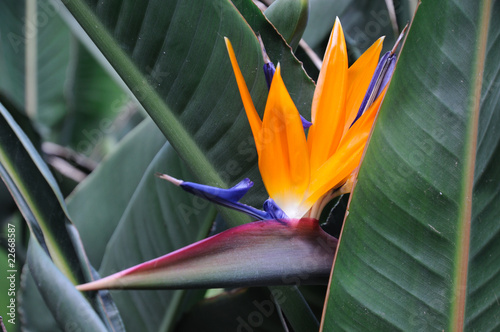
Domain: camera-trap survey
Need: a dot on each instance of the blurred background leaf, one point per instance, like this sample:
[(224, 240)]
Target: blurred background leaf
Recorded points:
[(76, 98), (41, 203), (363, 22), (140, 217)]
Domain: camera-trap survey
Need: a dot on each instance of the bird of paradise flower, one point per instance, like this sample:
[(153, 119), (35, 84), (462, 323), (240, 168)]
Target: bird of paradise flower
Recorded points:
[(301, 174)]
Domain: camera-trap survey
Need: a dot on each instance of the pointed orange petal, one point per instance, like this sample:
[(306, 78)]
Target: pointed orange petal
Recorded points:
[(283, 157), (328, 115), (359, 76), (252, 115), (347, 157)]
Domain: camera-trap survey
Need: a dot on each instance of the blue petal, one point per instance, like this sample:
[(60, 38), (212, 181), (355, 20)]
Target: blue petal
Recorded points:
[(226, 197), (381, 77), (269, 71), (274, 211), (305, 124), (233, 194)]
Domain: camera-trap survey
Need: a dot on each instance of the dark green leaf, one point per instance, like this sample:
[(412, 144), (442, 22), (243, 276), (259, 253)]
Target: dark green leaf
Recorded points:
[(76, 98), (38, 198), (36, 316), (139, 217), (289, 17), (60, 294), (172, 56), (295, 307), (363, 22), (419, 250), (101, 200)]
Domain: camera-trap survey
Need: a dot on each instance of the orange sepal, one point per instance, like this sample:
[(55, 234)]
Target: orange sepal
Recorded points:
[(327, 112), (347, 157), (252, 115), (283, 157)]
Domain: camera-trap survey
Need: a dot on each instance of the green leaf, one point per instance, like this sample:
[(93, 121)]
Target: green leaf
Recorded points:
[(36, 315), (93, 101), (76, 99), (89, 205), (363, 22), (289, 17), (57, 289), (172, 56), (295, 307), (52, 60), (38, 198), (139, 217), (419, 249)]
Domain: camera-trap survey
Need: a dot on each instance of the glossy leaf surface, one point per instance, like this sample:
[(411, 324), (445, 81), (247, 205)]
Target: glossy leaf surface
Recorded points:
[(289, 17), (171, 68), (419, 249)]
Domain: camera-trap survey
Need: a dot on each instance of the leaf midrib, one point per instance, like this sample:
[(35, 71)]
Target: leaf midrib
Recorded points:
[(465, 213)]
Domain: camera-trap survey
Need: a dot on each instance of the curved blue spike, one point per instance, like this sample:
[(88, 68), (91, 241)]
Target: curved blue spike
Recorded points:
[(233, 194), (226, 197)]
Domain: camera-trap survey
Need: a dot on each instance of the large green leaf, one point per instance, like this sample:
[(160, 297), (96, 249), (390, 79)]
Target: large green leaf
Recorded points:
[(38, 198), (420, 247), (139, 217), (92, 101), (172, 56), (53, 48), (36, 193), (100, 201)]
